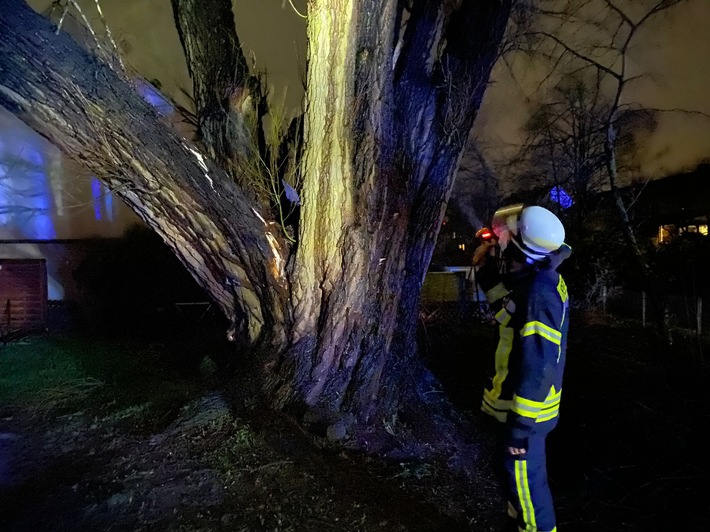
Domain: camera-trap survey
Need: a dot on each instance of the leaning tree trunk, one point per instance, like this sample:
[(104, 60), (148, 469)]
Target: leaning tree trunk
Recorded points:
[(96, 116), (388, 115)]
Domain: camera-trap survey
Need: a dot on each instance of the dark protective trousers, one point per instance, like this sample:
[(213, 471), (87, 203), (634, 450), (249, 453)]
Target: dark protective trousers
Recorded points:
[(527, 487)]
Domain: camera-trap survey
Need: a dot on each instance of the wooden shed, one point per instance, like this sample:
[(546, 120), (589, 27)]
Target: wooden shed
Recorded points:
[(23, 294)]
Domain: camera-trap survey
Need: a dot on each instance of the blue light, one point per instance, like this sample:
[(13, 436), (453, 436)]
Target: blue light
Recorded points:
[(151, 95), (108, 203), (559, 196), (96, 197)]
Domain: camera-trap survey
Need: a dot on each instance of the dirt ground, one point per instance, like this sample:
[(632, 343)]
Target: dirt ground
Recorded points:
[(624, 456)]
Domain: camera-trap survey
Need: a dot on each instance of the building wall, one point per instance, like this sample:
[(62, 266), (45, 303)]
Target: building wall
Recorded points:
[(44, 196), (47, 201)]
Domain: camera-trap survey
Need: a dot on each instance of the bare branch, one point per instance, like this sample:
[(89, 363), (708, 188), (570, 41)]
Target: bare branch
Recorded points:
[(224, 93), (568, 49)]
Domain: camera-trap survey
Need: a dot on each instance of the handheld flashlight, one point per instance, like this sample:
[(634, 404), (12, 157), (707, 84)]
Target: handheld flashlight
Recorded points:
[(485, 234)]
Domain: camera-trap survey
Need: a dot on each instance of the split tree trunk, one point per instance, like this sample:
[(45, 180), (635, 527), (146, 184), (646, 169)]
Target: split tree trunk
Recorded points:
[(388, 115)]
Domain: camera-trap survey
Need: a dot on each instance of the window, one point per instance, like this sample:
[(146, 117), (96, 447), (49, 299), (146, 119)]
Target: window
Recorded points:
[(664, 233)]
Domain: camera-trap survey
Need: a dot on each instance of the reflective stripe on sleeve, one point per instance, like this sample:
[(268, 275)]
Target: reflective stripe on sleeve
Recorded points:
[(525, 407), (547, 332), (540, 411)]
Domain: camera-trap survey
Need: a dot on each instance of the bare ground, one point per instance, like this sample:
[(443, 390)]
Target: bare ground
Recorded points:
[(624, 456)]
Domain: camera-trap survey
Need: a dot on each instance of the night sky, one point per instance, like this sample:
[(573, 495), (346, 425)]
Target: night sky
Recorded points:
[(673, 48)]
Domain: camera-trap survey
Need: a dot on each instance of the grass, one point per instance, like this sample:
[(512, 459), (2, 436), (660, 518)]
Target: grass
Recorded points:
[(34, 367), (131, 384)]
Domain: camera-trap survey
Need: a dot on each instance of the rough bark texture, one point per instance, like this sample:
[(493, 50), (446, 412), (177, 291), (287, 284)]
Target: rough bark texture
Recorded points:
[(388, 114), (382, 147), (97, 118)]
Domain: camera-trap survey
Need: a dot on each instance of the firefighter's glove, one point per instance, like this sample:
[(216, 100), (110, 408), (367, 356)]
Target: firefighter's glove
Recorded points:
[(482, 252)]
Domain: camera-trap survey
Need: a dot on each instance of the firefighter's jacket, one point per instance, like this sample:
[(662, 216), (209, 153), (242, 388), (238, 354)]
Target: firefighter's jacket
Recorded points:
[(532, 316)]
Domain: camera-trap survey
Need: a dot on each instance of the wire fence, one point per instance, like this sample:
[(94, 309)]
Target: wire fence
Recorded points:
[(690, 313), (456, 288)]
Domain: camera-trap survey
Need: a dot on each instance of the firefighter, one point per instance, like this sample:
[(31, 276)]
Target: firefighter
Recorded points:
[(531, 306)]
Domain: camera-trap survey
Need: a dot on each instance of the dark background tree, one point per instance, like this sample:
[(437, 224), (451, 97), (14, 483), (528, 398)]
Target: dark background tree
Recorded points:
[(565, 144), (393, 89)]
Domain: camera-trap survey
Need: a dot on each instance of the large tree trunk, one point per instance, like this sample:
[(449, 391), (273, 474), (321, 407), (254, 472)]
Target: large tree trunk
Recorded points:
[(388, 115), (384, 136)]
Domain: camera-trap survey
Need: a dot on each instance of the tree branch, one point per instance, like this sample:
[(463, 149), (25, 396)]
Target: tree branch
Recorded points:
[(225, 95)]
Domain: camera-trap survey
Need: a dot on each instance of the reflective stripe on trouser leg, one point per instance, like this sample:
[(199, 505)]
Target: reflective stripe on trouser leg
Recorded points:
[(528, 488)]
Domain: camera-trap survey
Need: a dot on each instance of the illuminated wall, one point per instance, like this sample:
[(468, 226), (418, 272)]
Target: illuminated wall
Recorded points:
[(45, 198)]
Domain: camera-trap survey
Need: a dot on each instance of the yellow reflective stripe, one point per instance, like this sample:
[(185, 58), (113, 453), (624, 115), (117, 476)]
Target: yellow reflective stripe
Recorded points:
[(547, 332), (521, 482), (495, 402), (526, 407), (547, 416), (551, 406), (502, 317), (492, 404), (502, 355), (499, 415), (549, 403), (538, 410), (529, 403), (499, 291), (553, 398), (562, 289)]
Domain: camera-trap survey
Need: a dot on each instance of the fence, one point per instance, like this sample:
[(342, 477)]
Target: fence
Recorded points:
[(457, 286), (685, 312)]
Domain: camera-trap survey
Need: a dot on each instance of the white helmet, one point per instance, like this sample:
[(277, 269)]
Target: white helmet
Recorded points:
[(534, 230)]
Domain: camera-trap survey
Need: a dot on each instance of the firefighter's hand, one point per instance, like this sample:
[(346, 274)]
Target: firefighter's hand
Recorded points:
[(516, 451), (482, 252)]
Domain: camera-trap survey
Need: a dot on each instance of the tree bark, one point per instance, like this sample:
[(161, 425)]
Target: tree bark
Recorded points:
[(226, 95)]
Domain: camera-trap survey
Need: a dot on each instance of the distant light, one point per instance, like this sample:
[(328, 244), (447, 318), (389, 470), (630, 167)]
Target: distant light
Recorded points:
[(559, 196), (108, 203)]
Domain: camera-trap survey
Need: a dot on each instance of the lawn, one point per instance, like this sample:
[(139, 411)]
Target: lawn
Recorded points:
[(103, 433)]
